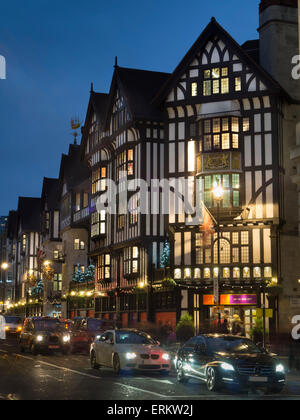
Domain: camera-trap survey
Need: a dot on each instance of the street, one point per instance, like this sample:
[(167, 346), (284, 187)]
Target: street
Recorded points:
[(27, 377)]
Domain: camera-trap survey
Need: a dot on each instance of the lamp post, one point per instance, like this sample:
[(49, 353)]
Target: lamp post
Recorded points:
[(4, 268), (218, 194)]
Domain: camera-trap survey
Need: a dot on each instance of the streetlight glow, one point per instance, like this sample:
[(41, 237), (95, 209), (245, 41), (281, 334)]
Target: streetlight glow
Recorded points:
[(4, 266), (218, 191)]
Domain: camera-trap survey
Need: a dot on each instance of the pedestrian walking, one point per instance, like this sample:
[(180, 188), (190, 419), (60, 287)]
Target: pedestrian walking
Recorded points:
[(2, 326)]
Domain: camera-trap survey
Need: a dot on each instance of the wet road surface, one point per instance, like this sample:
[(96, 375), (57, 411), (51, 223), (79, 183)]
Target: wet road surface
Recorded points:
[(57, 377)]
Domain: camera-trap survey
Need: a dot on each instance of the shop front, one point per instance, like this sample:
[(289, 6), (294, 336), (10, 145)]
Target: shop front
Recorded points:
[(241, 309)]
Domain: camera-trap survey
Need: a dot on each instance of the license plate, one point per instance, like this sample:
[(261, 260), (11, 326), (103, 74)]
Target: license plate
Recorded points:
[(53, 347), (258, 379)]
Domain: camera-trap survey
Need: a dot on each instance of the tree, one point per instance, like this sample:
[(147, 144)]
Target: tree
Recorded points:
[(84, 277), (185, 328), (165, 258)]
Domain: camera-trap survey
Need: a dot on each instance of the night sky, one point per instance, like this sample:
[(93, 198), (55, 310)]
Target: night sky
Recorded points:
[(54, 49)]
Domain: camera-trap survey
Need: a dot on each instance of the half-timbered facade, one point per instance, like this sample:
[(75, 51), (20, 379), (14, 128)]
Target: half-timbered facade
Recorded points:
[(74, 184), (220, 119), (51, 254)]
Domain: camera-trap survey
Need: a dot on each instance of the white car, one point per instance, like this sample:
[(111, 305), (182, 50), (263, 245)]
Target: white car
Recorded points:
[(129, 350)]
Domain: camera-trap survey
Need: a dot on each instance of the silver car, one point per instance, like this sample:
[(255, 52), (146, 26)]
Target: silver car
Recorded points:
[(129, 350)]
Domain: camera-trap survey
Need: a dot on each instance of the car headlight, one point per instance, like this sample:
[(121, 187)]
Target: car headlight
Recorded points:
[(39, 338), (130, 356), (227, 366), (280, 368), (166, 356), (66, 338)]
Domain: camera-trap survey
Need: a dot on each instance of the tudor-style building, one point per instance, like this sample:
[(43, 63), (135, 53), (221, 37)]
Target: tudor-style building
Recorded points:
[(227, 115), (74, 184), (51, 254)]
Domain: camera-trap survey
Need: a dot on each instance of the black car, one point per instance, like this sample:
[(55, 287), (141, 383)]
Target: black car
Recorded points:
[(44, 334), (223, 360)]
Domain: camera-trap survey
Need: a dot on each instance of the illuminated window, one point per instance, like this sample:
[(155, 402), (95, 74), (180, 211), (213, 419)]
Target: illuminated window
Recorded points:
[(131, 260), (235, 255), (235, 238), (79, 245), (208, 256), (226, 273), (187, 273), (236, 273), (238, 84), (246, 273), (216, 81), (257, 272), (194, 89), (225, 141), (268, 272), (231, 187), (224, 252), (216, 273), (197, 273), (207, 273), (57, 282), (246, 124), (245, 238), (103, 268), (177, 274), (244, 254)]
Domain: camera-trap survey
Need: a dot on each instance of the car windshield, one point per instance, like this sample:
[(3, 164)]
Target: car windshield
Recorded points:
[(129, 337), (13, 320), (232, 345), (96, 325), (48, 325)]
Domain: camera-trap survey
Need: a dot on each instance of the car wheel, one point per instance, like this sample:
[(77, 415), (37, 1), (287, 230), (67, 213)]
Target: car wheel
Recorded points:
[(117, 365), (94, 363), (212, 379), (181, 375)]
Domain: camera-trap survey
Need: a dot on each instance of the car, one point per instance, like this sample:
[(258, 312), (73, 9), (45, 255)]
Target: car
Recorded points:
[(44, 334), (229, 361), (84, 331), (128, 350), (13, 325)]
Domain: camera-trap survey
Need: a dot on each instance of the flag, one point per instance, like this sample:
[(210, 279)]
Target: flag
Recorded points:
[(41, 255), (208, 226)]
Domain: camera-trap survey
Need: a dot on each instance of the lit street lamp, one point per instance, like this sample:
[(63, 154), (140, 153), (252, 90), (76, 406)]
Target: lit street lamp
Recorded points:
[(218, 193)]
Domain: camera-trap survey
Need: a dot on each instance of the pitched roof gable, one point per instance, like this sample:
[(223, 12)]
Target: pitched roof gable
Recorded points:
[(29, 212), (211, 30), (138, 87)]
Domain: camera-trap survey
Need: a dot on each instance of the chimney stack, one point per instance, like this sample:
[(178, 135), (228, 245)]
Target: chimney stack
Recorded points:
[(279, 41)]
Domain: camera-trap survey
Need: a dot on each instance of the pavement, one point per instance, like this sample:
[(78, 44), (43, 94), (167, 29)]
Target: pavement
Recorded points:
[(56, 377)]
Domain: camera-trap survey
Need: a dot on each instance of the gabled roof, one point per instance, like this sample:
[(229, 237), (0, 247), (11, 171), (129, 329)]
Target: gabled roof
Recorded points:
[(138, 87), (213, 29), (98, 103), (50, 196), (73, 171), (12, 224), (29, 214)]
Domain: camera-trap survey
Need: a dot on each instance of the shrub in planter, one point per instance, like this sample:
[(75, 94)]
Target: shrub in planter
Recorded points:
[(185, 328)]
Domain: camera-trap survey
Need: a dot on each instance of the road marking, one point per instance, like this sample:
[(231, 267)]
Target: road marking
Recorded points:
[(208, 397)]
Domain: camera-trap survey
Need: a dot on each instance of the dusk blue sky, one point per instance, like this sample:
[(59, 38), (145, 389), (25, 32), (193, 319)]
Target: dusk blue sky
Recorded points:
[(54, 49)]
